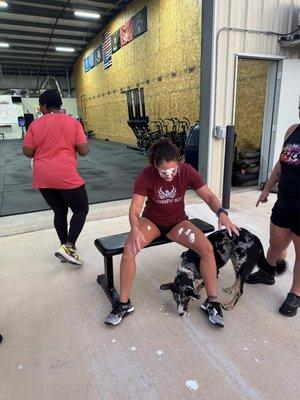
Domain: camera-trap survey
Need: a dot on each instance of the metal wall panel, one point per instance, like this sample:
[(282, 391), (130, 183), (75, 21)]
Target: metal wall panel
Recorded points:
[(263, 15)]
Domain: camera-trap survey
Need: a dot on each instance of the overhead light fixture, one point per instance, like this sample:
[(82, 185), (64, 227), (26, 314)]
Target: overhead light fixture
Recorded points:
[(4, 45), (3, 4), (87, 14), (66, 49)]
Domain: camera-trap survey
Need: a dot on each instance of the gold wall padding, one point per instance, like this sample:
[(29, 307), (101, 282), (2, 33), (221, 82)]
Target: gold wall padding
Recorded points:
[(171, 44), (250, 103)]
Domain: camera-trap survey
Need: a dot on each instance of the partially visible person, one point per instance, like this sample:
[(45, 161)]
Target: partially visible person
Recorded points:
[(80, 120), (52, 141), (285, 218), (164, 183)]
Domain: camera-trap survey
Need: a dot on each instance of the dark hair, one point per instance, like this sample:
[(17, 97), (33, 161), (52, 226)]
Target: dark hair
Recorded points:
[(51, 98), (163, 150)]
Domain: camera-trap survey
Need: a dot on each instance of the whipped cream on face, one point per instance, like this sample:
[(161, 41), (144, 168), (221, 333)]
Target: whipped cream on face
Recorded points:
[(167, 174)]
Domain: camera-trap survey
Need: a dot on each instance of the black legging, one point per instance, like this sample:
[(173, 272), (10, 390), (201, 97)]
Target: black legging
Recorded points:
[(60, 200)]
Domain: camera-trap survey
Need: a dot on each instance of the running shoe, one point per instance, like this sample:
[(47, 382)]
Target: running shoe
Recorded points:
[(119, 311), (214, 312), (290, 305), (69, 254)]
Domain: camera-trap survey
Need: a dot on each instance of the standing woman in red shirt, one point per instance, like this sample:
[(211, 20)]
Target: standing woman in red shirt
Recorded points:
[(164, 184), (52, 141)]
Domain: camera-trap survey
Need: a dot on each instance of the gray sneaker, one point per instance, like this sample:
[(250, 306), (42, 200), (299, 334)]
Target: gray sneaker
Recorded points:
[(214, 312), (119, 311)]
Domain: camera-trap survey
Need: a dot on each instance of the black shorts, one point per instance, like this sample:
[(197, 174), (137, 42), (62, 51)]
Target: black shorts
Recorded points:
[(165, 229), (286, 214)]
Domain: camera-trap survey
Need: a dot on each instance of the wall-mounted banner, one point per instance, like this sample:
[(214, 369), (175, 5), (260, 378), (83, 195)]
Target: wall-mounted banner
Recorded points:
[(115, 41), (139, 21), (86, 63), (98, 54), (106, 49), (91, 59), (126, 33)]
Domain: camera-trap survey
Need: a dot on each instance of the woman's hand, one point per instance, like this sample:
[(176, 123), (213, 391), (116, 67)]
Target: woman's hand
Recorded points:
[(225, 221), (136, 239), (263, 198)]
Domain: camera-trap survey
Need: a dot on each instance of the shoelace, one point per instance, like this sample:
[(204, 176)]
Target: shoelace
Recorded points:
[(291, 299), (72, 252), (216, 307), (117, 308)]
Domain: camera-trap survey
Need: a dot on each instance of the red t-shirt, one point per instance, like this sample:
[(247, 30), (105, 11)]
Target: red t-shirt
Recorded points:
[(165, 200), (53, 137)]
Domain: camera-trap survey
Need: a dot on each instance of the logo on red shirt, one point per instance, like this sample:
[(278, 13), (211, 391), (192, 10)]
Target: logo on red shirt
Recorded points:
[(166, 194)]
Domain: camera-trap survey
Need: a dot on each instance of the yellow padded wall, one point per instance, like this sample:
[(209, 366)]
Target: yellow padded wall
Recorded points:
[(171, 44), (250, 103)]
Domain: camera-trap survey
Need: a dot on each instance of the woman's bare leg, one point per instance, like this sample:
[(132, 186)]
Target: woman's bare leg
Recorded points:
[(128, 267), (280, 238), (296, 279), (188, 235)]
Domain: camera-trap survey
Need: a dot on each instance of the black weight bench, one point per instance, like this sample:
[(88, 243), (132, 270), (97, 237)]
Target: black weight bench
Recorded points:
[(113, 245)]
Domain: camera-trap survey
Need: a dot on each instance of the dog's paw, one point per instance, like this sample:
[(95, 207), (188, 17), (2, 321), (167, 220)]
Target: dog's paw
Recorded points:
[(227, 307), (227, 290)]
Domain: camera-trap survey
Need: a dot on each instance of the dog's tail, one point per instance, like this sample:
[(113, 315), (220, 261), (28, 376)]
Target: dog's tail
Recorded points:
[(280, 267)]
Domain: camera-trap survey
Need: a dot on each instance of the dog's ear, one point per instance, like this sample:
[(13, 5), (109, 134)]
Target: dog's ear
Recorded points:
[(193, 293), (167, 286), (184, 255)]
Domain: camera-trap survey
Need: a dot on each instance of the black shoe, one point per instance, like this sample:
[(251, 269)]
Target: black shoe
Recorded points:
[(119, 311), (290, 305), (214, 312), (260, 277), (1, 338)]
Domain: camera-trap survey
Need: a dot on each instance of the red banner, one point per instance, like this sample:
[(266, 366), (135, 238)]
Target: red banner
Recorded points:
[(126, 33)]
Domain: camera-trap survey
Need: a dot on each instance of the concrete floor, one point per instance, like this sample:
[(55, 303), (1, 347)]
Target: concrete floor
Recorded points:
[(56, 345)]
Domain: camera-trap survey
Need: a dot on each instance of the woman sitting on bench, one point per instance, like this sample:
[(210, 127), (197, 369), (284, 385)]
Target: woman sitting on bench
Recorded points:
[(164, 183)]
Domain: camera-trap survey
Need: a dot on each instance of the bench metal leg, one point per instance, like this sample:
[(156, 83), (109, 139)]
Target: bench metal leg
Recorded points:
[(106, 280)]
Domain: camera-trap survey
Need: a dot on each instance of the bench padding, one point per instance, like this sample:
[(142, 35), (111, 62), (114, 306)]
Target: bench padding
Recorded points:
[(113, 245)]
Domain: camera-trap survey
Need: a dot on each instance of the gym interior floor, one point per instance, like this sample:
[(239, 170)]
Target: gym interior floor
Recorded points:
[(109, 171)]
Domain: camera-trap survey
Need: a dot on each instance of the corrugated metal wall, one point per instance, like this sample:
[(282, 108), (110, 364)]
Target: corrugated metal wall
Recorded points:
[(265, 15)]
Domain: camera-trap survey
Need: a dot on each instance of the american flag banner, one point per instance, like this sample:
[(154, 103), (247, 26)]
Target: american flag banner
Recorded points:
[(106, 49)]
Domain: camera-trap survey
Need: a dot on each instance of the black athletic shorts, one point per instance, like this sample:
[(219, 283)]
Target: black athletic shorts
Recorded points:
[(286, 214), (165, 229)]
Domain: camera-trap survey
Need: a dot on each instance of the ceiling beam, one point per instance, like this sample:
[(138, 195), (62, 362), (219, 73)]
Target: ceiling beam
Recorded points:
[(76, 6), (25, 72), (33, 67), (35, 60), (33, 25), (62, 36), (19, 50), (39, 42), (47, 13)]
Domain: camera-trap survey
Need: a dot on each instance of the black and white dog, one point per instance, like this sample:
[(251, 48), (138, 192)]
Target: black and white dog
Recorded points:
[(245, 252)]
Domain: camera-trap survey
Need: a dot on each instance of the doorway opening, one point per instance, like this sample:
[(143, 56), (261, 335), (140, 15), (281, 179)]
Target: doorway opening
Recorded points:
[(254, 112)]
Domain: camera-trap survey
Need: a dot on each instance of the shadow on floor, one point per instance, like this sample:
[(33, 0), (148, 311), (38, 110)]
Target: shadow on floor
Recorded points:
[(109, 171)]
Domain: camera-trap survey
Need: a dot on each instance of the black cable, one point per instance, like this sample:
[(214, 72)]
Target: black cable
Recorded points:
[(49, 41)]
